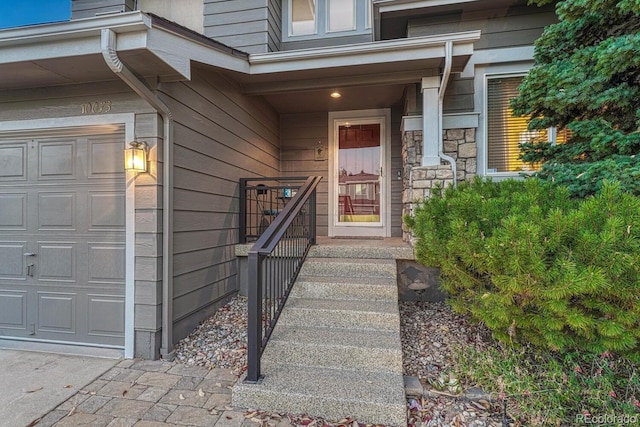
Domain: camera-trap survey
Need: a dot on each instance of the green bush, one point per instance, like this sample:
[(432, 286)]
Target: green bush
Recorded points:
[(535, 265)]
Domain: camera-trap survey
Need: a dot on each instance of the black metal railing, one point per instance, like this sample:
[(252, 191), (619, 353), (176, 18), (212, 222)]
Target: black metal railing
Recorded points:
[(274, 262), (261, 200)]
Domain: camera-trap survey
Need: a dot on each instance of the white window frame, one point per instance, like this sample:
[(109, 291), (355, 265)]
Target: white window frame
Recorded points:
[(481, 97), (361, 26)]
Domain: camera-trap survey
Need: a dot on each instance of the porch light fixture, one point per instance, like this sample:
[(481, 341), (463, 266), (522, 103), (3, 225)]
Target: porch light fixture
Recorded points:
[(135, 157), (335, 94)]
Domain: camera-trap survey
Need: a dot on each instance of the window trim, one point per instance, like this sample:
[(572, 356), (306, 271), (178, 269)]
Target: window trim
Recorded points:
[(362, 22), (483, 163)]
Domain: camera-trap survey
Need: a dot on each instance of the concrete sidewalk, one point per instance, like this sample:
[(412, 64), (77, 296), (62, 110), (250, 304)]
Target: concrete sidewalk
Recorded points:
[(33, 383)]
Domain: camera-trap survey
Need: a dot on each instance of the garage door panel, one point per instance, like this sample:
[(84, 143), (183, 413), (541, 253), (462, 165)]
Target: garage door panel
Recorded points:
[(13, 211), (106, 211), (63, 199), (57, 312), (56, 160), (106, 315), (105, 158), (12, 266), (57, 211), (106, 263), (56, 262), (13, 162), (13, 309)]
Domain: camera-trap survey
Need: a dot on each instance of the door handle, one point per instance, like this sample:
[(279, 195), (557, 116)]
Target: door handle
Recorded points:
[(30, 270), (30, 254)]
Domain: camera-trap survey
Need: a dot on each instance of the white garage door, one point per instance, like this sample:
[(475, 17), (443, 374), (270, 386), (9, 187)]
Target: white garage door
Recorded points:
[(62, 234)]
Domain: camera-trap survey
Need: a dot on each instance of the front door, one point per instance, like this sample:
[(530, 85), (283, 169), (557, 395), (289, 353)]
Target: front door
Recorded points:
[(359, 162)]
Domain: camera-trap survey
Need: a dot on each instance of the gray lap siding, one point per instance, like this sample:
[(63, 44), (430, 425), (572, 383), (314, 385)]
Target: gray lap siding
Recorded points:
[(220, 136)]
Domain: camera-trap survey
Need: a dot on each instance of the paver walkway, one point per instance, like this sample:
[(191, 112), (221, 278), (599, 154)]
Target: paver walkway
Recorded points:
[(145, 393)]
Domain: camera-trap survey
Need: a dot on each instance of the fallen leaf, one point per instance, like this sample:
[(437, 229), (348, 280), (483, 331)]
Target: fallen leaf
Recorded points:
[(251, 414), (124, 392), (228, 417), (181, 397), (34, 390), (34, 422), (214, 412), (72, 411), (68, 386), (256, 420), (219, 385), (200, 393), (93, 393)]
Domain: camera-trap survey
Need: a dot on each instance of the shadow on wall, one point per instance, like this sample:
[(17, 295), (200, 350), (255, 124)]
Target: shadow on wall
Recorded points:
[(418, 283)]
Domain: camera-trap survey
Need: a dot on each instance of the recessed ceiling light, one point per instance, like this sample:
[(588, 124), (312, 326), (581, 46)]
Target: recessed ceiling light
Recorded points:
[(336, 94)]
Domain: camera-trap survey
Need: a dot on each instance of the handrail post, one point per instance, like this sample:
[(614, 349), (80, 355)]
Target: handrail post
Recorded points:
[(242, 224), (312, 218), (254, 318)]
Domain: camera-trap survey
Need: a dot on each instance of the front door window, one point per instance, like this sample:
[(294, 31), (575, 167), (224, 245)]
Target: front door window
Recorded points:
[(359, 170)]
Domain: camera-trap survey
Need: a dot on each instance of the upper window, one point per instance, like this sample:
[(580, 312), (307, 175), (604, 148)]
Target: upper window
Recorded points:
[(505, 132), (341, 15), (303, 17), (306, 19)]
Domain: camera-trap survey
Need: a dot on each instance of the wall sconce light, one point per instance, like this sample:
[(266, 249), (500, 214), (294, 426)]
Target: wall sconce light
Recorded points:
[(135, 157)]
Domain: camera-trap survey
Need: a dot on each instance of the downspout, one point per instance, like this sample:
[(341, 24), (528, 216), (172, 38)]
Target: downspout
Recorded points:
[(110, 54), (448, 55)]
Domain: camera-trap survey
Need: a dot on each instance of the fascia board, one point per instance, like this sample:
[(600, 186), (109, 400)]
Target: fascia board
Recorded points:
[(75, 29), (384, 6), (72, 38), (400, 50), (178, 52)]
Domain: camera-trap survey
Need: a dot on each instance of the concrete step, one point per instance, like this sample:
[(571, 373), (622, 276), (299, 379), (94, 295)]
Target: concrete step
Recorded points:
[(363, 249), (360, 350), (370, 397), (367, 288), (353, 268), (331, 313)]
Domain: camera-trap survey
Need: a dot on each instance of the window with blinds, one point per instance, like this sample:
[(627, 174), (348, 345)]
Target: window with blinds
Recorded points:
[(505, 132)]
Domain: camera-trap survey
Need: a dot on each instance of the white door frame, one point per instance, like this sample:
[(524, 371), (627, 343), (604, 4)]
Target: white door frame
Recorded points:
[(382, 229), (128, 120)]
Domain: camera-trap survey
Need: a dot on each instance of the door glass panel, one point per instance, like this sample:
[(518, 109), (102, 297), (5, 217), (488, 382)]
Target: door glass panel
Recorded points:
[(359, 173), (303, 17), (341, 15)]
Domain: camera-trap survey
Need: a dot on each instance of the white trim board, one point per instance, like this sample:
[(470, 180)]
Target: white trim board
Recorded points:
[(449, 121)]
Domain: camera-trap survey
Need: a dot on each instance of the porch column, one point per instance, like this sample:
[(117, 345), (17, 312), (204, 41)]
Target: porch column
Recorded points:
[(430, 121)]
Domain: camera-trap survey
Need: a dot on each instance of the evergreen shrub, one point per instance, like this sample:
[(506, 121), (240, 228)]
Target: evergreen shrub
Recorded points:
[(537, 266)]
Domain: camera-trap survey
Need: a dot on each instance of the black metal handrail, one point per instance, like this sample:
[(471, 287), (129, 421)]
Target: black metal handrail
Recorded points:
[(274, 262), (261, 200)]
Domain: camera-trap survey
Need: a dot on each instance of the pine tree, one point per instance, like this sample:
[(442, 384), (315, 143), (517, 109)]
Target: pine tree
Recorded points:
[(586, 78)]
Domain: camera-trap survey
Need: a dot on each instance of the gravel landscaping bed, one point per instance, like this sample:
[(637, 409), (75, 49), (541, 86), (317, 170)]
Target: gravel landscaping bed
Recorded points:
[(430, 333)]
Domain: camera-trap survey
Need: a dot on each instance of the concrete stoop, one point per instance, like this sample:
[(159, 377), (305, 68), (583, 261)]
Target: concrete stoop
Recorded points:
[(335, 351)]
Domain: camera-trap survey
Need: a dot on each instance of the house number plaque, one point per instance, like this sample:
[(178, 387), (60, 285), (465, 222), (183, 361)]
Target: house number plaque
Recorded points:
[(96, 107)]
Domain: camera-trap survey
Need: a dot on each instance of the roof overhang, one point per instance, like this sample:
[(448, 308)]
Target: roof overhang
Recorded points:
[(381, 62), (70, 52), (384, 6)]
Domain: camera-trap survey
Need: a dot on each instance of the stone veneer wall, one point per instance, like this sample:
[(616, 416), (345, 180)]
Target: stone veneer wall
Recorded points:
[(418, 180)]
